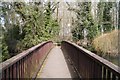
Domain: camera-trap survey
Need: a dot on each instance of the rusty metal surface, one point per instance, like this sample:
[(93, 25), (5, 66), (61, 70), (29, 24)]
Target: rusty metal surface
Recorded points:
[(25, 64), (88, 64)]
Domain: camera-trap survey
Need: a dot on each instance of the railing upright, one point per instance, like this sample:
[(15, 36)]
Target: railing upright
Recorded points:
[(26, 64), (88, 64)]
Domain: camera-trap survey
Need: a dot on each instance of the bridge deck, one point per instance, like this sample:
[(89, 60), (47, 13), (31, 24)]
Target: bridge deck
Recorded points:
[(55, 65)]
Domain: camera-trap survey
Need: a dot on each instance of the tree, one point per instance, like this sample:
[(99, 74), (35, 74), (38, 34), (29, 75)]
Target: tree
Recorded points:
[(26, 25), (105, 22), (119, 15), (50, 25), (84, 23)]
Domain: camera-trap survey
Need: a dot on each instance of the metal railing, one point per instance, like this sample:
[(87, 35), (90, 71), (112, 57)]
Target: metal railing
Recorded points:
[(27, 63), (88, 64)]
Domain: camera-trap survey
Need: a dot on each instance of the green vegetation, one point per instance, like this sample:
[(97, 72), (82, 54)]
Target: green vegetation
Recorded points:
[(3, 49), (105, 21), (98, 32), (84, 22), (25, 25)]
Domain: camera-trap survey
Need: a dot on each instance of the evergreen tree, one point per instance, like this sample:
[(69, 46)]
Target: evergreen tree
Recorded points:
[(26, 25), (84, 22)]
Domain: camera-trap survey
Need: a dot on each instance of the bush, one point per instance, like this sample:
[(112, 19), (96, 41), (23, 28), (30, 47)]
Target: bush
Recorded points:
[(107, 44), (4, 50)]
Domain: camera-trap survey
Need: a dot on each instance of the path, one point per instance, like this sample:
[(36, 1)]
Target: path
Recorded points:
[(55, 65)]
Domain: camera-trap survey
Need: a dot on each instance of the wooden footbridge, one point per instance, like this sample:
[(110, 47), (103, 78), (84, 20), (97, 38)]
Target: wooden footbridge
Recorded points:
[(47, 60)]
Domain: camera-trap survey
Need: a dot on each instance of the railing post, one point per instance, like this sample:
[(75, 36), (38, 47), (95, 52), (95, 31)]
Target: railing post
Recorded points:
[(90, 65), (25, 64)]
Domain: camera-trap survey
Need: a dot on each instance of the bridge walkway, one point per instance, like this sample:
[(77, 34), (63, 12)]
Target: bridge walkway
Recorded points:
[(56, 66)]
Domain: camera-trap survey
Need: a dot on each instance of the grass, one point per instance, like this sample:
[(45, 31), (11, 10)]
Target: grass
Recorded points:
[(107, 44)]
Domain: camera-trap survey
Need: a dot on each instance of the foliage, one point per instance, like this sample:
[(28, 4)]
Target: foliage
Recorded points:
[(31, 29), (50, 25), (26, 25), (105, 17), (84, 22), (3, 48), (86, 28), (107, 43)]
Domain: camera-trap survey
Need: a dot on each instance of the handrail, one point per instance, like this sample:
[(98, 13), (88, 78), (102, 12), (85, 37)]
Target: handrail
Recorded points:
[(27, 63), (88, 64)]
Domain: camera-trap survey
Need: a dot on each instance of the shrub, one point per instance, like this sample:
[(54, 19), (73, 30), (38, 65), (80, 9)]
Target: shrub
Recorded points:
[(107, 43)]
